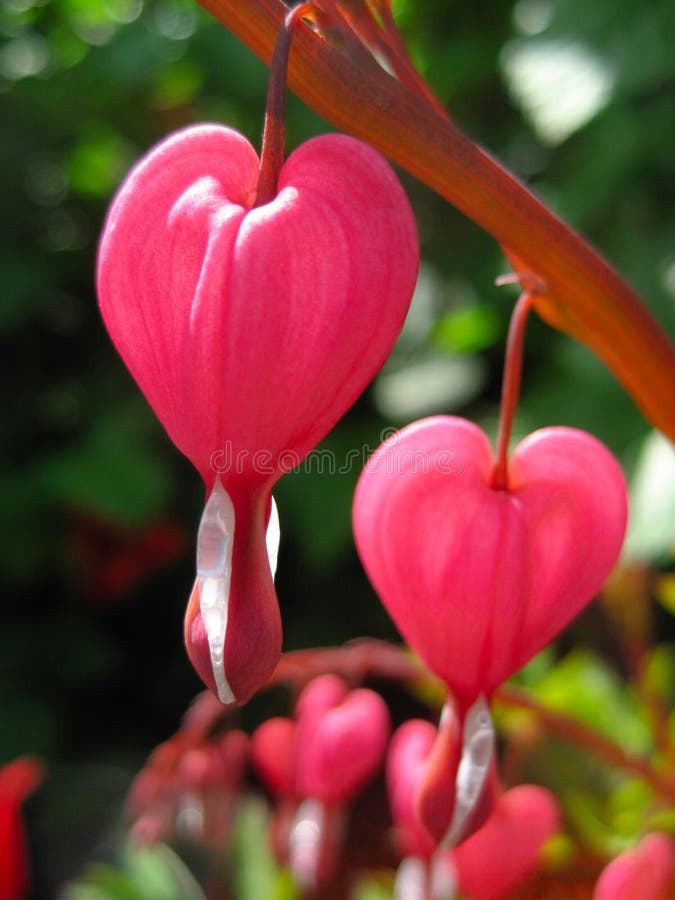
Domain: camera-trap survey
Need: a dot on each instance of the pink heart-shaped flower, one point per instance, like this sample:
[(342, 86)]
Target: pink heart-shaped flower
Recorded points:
[(345, 749), (478, 579), (335, 745), (251, 330)]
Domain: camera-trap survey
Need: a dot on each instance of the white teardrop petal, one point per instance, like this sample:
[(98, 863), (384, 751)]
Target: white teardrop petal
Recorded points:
[(478, 744), (215, 541), (304, 843)]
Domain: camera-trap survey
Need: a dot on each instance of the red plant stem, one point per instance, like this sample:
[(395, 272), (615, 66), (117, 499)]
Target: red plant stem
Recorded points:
[(513, 365), (575, 732), (585, 297), (274, 132), (369, 658)]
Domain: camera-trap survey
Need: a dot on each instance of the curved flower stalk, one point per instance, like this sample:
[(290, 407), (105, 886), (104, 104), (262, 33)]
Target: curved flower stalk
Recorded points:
[(251, 330), (341, 79)]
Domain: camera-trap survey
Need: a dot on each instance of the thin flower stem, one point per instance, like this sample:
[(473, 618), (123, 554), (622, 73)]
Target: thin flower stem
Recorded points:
[(585, 297), (369, 658), (513, 365), (274, 133)]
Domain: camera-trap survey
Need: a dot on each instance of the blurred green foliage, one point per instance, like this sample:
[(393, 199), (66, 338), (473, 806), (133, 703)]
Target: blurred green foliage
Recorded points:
[(98, 511)]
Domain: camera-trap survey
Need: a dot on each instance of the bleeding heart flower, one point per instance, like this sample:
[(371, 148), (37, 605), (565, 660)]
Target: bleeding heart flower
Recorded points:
[(409, 750), (251, 330), (441, 782), (647, 872), (506, 850), (479, 579), (500, 852), (315, 765)]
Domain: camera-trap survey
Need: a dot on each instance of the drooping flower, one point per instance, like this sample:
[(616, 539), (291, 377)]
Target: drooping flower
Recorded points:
[(441, 781), (190, 786), (251, 330), (500, 853), (646, 872), (315, 764), (477, 578), (506, 851)]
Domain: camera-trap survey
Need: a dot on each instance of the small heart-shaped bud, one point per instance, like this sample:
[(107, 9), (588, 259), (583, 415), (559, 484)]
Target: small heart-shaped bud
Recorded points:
[(341, 746)]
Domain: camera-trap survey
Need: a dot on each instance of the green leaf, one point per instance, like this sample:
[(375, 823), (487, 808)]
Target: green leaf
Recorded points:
[(256, 874), (150, 872), (584, 687), (467, 330)]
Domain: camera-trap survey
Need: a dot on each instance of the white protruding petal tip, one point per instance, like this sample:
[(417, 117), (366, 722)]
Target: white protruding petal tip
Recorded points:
[(478, 745), (305, 842), (215, 541)]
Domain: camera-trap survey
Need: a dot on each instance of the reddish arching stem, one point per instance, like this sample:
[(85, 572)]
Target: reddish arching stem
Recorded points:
[(274, 132), (513, 365), (569, 729), (585, 297), (369, 658)]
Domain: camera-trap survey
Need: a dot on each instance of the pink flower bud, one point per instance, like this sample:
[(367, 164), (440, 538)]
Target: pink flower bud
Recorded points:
[(647, 872), (478, 579), (251, 330)]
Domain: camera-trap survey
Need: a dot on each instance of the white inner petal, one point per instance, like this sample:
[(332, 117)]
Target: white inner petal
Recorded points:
[(411, 880), (273, 537), (478, 744), (443, 878), (304, 843), (214, 570)]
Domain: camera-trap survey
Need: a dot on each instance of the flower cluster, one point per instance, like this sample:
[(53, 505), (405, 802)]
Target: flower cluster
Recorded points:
[(253, 305)]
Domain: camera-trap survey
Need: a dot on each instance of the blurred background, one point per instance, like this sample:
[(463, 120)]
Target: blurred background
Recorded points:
[(98, 511)]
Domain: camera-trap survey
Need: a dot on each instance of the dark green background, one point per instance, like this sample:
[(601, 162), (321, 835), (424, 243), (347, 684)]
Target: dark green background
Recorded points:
[(93, 672)]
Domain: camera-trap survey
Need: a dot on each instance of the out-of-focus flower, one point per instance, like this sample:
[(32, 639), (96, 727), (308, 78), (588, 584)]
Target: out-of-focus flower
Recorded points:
[(503, 845), (190, 786), (18, 780), (315, 765), (647, 872)]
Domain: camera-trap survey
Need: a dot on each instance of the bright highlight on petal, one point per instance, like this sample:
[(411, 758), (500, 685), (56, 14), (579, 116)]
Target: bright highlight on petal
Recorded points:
[(478, 747)]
